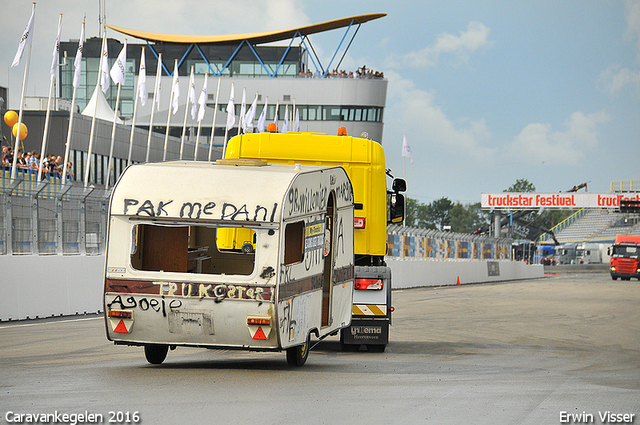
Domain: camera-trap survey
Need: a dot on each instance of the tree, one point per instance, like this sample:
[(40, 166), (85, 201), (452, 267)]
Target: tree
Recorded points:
[(468, 218), (411, 212), (521, 185), (439, 212)]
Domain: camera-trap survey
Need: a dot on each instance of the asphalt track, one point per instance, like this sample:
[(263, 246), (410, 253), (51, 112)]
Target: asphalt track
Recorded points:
[(524, 352)]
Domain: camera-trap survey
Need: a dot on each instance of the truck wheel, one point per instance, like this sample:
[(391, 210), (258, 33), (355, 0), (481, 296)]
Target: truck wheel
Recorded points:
[(155, 353), (297, 356), (614, 277)]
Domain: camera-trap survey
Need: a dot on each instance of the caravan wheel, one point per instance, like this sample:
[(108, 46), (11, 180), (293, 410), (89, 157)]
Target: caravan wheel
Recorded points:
[(297, 356), (155, 353)]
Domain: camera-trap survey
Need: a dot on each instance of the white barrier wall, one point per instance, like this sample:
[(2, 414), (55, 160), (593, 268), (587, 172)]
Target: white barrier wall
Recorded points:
[(411, 273), (37, 286), (33, 286)]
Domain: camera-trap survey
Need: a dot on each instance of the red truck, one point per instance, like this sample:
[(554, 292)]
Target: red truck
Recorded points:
[(625, 257)]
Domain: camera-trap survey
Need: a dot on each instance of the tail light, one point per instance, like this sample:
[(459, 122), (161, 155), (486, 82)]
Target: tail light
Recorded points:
[(258, 320), (359, 222), (370, 284), (122, 314)]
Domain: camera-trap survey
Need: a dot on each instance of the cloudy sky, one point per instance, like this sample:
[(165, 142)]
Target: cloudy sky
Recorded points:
[(486, 92)]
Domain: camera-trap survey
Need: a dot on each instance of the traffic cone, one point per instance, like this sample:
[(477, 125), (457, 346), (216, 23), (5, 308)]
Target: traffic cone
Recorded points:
[(458, 281)]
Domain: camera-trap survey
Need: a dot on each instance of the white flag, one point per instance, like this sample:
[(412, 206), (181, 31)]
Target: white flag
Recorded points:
[(263, 117), (77, 63), (406, 149), (175, 90), (104, 64), (192, 95), (243, 106), (202, 100), (118, 70), (250, 115), (285, 127), (231, 113), (142, 80), (27, 37), (158, 87), (56, 52), (297, 125)]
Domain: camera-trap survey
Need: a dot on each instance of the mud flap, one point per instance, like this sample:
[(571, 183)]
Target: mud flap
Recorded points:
[(366, 331)]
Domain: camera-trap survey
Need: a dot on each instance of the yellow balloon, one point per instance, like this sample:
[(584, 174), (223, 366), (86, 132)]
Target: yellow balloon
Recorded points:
[(11, 118), (23, 130)]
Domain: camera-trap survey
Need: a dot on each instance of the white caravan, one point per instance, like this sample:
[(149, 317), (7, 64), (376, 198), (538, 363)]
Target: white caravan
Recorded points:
[(172, 280)]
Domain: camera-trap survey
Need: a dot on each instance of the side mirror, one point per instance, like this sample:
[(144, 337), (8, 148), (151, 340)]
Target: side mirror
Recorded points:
[(396, 208), (399, 185)]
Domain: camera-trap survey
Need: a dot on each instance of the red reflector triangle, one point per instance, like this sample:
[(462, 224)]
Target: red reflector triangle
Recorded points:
[(121, 328), (260, 334)]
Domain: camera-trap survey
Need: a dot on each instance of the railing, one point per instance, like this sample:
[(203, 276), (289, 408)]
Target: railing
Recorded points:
[(625, 186), (563, 224), (48, 217), (415, 243), (45, 218)]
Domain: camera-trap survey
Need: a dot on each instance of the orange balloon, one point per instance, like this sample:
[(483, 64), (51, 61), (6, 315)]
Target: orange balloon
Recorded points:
[(23, 130), (11, 118)]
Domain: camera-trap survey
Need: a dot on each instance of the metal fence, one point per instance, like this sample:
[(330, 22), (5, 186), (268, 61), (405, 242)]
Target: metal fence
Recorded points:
[(48, 218), (412, 242), (51, 218)]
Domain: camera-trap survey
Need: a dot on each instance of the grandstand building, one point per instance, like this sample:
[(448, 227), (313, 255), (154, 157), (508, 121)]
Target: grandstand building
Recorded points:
[(600, 225), (288, 77)]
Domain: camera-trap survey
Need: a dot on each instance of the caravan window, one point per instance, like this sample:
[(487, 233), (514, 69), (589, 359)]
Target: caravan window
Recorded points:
[(192, 249), (294, 242)]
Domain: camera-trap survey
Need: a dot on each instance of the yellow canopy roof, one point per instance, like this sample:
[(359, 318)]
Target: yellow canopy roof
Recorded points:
[(252, 38)]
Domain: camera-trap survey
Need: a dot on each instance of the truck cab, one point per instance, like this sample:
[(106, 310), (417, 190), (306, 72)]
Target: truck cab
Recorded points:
[(374, 207), (625, 257)]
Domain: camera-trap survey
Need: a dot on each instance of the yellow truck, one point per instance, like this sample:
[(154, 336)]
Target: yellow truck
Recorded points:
[(374, 208)]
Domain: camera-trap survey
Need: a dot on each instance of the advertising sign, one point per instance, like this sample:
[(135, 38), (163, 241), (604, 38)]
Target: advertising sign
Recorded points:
[(531, 200)]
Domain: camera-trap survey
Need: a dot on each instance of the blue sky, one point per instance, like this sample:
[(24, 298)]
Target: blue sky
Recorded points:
[(486, 92)]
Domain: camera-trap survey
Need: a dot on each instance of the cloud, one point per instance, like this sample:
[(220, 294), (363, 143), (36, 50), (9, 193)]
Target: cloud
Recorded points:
[(538, 143), (632, 12), (475, 37), (615, 78), (429, 131), (220, 17)]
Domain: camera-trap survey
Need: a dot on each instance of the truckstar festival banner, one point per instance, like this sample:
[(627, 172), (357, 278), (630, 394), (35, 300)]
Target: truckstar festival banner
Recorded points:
[(527, 201)]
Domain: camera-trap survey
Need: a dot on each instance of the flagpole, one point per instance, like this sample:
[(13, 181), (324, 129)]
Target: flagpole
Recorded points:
[(171, 98), (113, 137), (215, 112), (186, 113), (226, 126), (242, 112), (24, 86), (87, 168), (201, 111), (135, 109), (45, 134), (115, 112), (133, 126), (153, 105), (73, 104)]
